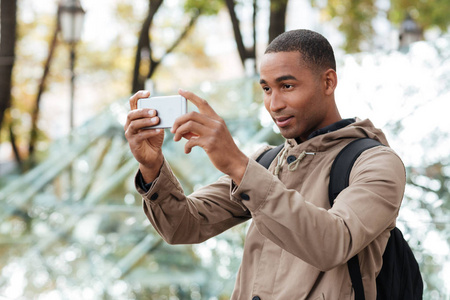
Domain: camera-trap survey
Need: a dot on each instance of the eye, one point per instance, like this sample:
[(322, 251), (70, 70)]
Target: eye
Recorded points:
[(287, 86), (266, 89)]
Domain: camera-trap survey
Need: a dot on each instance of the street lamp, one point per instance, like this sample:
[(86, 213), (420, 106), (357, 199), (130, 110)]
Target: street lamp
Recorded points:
[(71, 19), (410, 32)]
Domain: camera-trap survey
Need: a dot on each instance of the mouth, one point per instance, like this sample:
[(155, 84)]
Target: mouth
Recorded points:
[(283, 121)]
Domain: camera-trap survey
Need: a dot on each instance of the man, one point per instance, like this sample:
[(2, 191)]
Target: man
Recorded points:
[(297, 246)]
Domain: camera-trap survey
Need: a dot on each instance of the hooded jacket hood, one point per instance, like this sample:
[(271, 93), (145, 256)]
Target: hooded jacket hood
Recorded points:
[(358, 129)]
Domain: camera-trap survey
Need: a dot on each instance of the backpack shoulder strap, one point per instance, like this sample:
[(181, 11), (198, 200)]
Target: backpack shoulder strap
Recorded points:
[(343, 163), (268, 156)]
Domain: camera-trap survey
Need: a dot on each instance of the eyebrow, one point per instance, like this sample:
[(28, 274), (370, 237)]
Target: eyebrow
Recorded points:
[(285, 77), (279, 79)]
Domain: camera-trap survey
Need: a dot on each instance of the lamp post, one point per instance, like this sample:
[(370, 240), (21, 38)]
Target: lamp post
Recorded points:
[(71, 19)]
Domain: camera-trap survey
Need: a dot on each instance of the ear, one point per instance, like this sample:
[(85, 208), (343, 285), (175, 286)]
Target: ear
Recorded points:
[(330, 81)]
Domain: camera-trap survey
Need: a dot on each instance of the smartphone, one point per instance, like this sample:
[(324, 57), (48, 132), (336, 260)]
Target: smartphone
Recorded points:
[(168, 109)]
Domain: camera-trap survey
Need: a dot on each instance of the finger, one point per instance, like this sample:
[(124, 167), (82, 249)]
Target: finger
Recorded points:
[(189, 129), (189, 135), (202, 105), (140, 124), (139, 114), (138, 95), (191, 116), (143, 135), (191, 143), (143, 138)]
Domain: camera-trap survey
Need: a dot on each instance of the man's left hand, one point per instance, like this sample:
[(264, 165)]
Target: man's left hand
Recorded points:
[(208, 130)]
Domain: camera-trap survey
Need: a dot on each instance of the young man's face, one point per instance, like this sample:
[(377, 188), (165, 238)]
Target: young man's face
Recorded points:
[(294, 95)]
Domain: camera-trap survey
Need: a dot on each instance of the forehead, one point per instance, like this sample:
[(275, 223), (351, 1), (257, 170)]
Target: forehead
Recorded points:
[(281, 63)]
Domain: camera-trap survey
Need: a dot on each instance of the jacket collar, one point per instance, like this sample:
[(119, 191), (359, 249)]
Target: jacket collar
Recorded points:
[(333, 127)]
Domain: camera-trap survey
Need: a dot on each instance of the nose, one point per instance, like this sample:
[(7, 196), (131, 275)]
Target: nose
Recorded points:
[(275, 102)]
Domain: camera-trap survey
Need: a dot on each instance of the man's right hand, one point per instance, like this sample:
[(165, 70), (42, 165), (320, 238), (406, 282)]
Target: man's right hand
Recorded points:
[(145, 144)]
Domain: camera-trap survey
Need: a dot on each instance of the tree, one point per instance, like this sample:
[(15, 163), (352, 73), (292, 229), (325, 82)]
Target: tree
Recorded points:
[(144, 49), (41, 89), (277, 21), (145, 63), (355, 20), (244, 53), (277, 25), (7, 46), (36, 73)]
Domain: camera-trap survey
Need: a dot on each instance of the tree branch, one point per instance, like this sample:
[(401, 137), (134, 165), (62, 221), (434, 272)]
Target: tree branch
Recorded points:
[(35, 113), (155, 63), (237, 31), (144, 43)]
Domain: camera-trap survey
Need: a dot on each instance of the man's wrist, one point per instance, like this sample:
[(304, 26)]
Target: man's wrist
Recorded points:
[(150, 173), (239, 170), (140, 182)]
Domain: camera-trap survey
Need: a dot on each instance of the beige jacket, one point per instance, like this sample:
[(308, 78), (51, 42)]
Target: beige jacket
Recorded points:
[(296, 246)]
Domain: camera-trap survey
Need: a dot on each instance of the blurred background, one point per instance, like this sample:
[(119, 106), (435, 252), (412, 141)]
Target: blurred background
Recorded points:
[(71, 223)]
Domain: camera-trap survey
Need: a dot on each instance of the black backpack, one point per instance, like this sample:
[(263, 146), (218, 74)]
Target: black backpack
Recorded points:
[(400, 276)]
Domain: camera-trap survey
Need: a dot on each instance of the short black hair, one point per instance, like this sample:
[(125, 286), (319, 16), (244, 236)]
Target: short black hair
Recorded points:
[(315, 49)]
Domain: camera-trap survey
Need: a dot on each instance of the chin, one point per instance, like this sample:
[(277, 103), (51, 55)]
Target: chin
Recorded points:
[(288, 134)]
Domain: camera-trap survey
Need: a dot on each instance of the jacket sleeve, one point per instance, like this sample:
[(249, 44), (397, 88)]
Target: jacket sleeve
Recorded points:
[(327, 238), (186, 220)]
